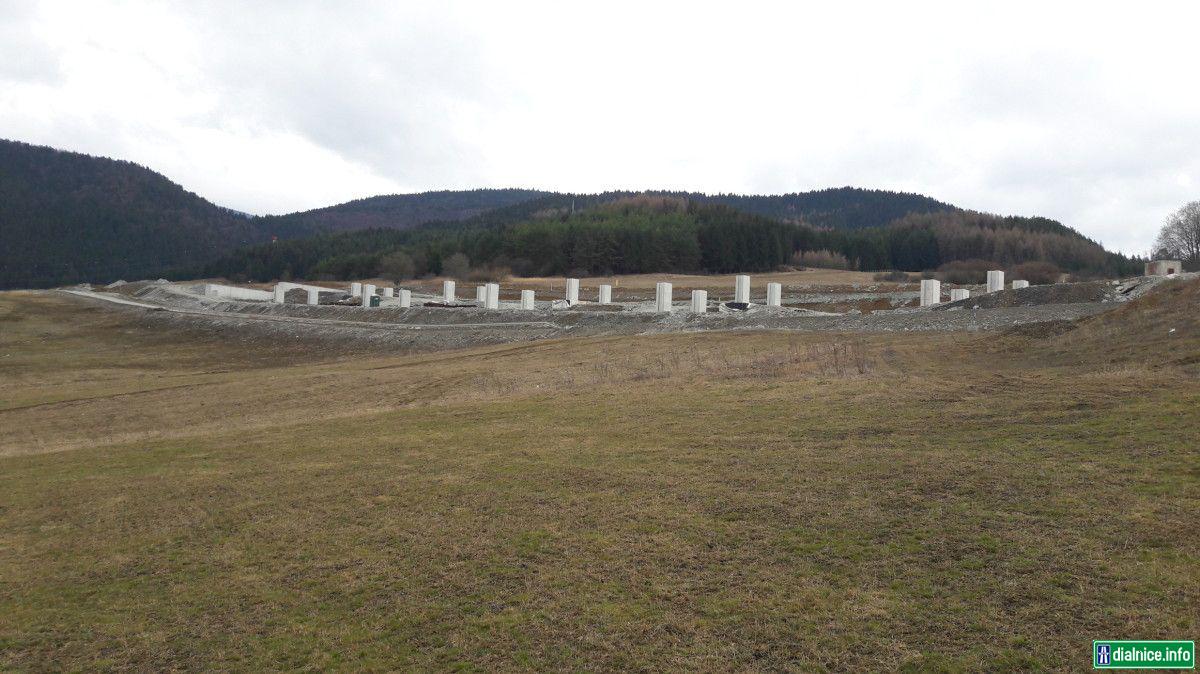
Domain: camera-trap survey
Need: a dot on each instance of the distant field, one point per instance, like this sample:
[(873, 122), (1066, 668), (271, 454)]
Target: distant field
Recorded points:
[(811, 277), (642, 285), (711, 501)]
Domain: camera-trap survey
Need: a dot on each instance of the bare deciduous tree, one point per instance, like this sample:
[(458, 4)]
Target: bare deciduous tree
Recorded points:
[(397, 266), (1179, 238), (456, 266)]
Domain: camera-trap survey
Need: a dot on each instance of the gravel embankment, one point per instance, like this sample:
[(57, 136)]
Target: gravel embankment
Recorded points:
[(422, 328)]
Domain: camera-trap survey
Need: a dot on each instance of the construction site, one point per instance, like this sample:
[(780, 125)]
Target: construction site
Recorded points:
[(438, 314), (577, 337), (260, 481)]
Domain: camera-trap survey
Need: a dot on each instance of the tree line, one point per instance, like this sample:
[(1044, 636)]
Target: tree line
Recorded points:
[(656, 233)]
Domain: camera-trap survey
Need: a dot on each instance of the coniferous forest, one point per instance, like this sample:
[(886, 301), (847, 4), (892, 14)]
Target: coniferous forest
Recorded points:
[(67, 217), (643, 234)]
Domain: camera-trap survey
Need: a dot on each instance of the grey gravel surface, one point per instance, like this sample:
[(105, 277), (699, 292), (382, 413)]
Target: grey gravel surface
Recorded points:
[(422, 328)]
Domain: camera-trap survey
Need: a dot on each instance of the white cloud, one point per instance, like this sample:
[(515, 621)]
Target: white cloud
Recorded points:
[(1078, 111)]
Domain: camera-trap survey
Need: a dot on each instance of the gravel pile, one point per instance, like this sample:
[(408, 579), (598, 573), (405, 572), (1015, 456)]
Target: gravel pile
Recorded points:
[(1063, 293), (1059, 293)]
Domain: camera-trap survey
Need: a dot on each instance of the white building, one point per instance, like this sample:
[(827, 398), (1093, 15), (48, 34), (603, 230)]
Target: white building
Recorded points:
[(1163, 267)]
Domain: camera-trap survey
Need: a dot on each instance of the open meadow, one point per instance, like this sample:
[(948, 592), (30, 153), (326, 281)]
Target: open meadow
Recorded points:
[(737, 500)]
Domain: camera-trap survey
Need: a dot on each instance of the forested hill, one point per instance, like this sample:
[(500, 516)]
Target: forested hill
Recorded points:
[(838, 208), (401, 211), (655, 233), (67, 217)]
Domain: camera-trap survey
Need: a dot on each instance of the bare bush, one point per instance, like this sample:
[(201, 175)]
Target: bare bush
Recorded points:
[(520, 266), (1037, 273), (964, 272), (820, 259), (840, 358), (893, 276), (489, 274)]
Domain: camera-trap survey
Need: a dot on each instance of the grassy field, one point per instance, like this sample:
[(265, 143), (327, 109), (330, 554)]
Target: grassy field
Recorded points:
[(717, 501), (627, 287)]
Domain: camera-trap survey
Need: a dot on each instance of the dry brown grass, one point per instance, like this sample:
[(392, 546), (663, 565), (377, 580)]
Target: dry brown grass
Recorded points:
[(1158, 330), (717, 501), (101, 379)]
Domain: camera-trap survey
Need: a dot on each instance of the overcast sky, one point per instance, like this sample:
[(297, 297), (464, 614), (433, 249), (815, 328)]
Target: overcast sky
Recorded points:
[(1083, 112)]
